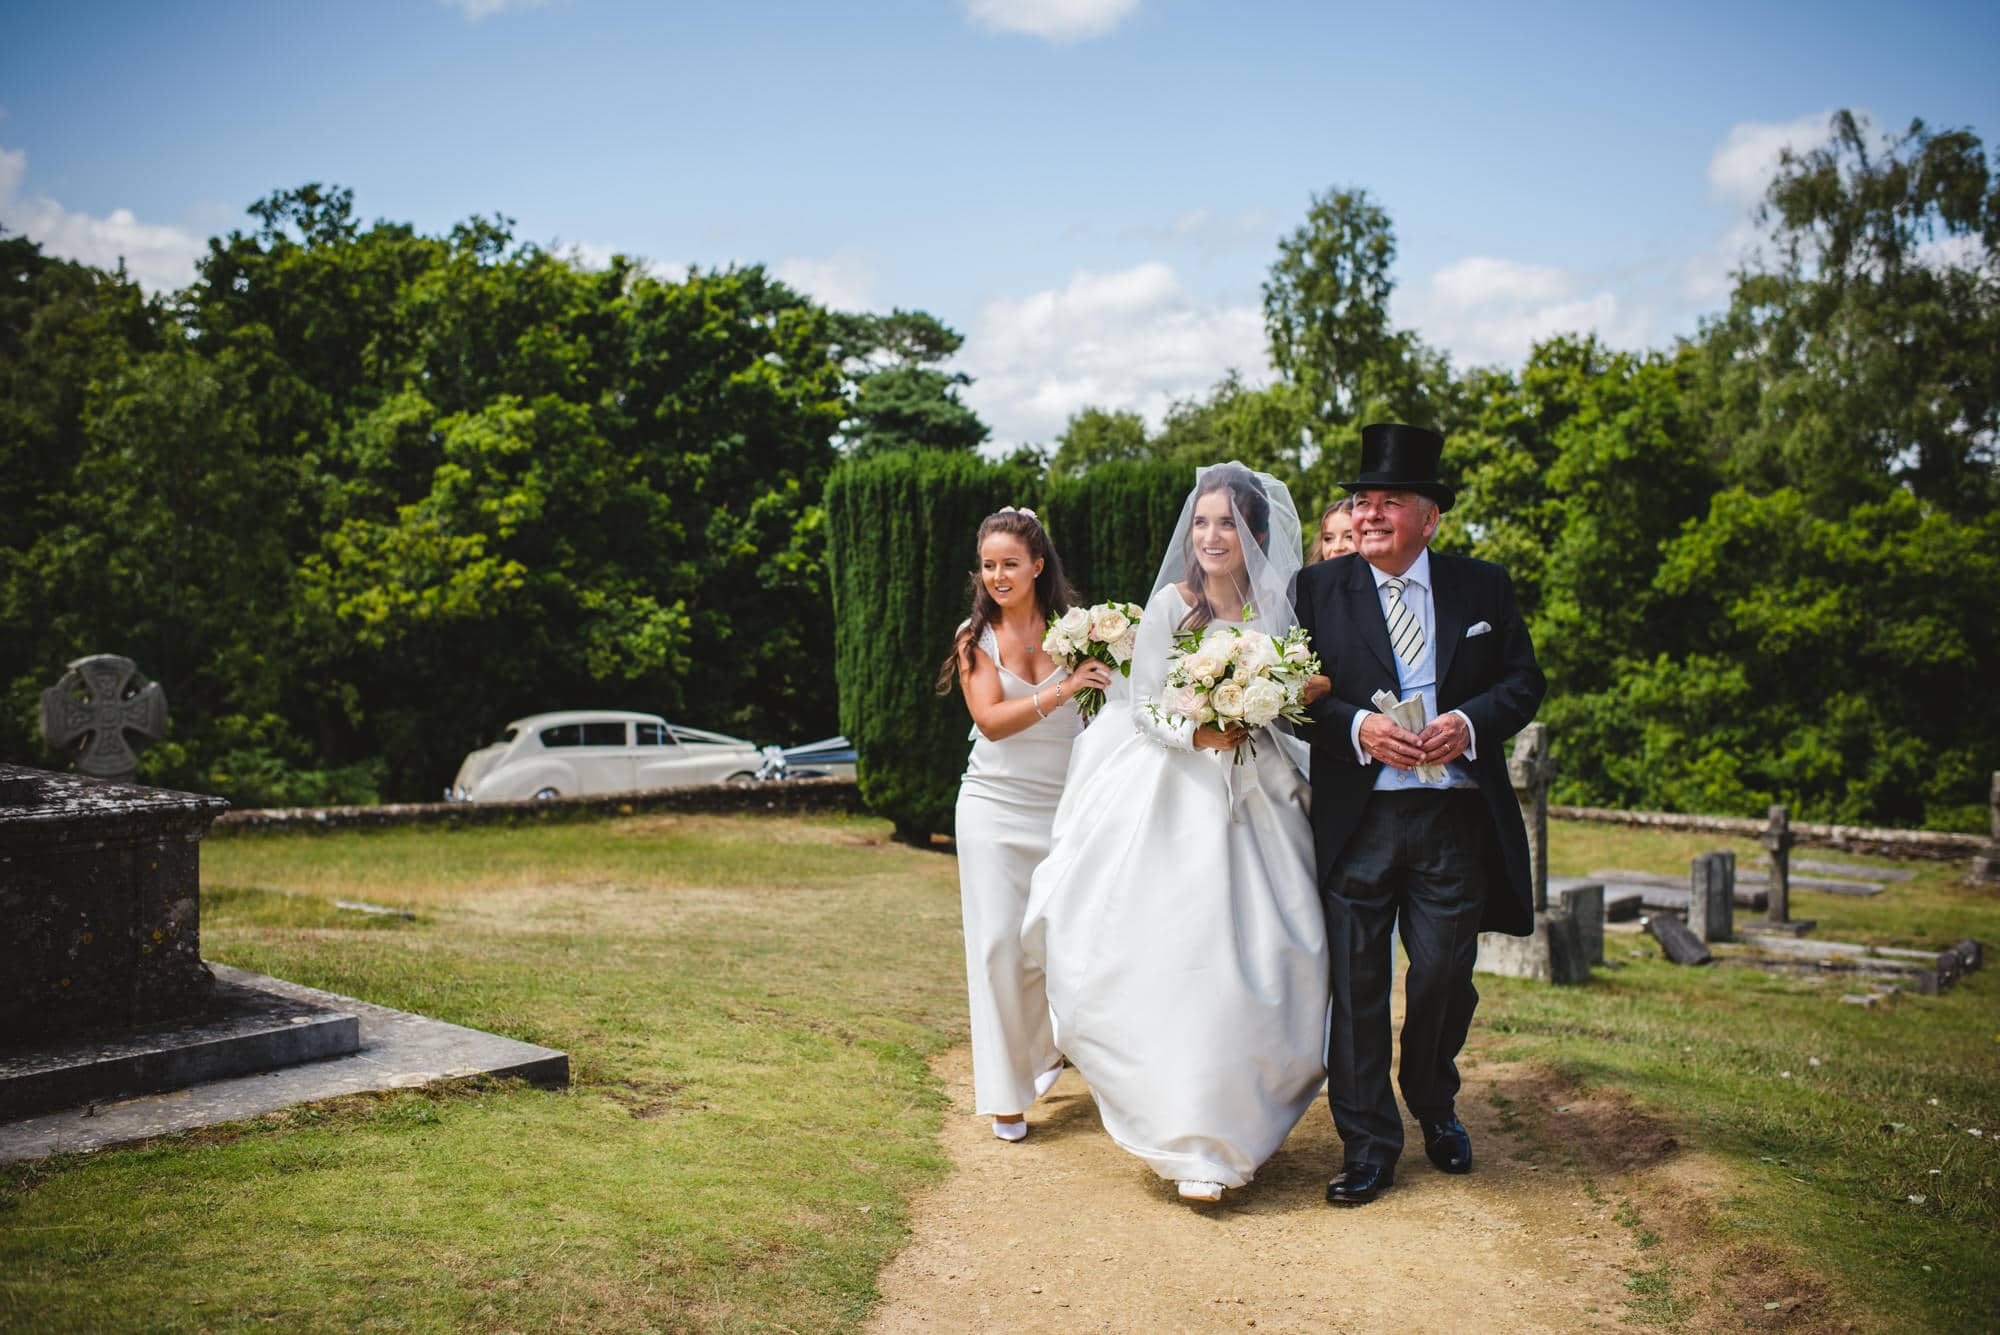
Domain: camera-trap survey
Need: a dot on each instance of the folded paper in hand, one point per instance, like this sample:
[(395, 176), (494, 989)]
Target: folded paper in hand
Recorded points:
[(1410, 715)]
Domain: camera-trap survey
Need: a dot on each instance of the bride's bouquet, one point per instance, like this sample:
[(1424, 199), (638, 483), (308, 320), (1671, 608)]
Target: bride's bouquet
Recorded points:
[(1232, 677), (1103, 631)]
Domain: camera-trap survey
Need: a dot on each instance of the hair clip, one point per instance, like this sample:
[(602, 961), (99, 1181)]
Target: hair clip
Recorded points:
[(1019, 510)]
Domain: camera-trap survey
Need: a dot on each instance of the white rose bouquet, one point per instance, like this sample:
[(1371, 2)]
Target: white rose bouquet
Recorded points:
[(1106, 632), (1232, 677)]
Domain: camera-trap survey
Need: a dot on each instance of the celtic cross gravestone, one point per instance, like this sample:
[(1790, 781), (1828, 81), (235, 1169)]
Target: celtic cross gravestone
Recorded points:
[(1532, 770), (89, 713)]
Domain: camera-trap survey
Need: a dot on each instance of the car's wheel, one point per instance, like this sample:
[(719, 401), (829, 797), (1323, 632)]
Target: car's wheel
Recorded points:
[(545, 793), (742, 777)]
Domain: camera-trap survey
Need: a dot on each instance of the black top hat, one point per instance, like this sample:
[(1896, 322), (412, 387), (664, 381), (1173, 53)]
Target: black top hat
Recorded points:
[(1395, 457)]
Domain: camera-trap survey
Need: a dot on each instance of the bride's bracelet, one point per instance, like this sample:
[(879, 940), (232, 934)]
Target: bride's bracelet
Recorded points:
[(1038, 703)]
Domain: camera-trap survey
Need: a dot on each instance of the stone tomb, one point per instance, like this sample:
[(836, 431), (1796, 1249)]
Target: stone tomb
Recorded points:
[(103, 992), (105, 1001)]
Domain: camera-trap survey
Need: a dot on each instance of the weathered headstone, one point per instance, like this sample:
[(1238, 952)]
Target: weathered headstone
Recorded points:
[(89, 713), (1558, 949), (1582, 902), (1778, 840), (1712, 896), (1677, 941), (1986, 865), (1532, 770)]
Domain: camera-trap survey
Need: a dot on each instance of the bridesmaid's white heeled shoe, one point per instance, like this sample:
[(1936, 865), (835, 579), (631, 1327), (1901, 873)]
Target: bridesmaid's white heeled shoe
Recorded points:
[(1011, 1130), (1046, 1081), (1193, 1189)]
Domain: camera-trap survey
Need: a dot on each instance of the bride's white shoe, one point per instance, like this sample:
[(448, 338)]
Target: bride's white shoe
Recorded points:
[(1046, 1081), (1194, 1189), (1011, 1130)]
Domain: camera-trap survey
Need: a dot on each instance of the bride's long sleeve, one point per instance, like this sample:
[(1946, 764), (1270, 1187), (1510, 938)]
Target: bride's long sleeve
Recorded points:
[(1149, 674)]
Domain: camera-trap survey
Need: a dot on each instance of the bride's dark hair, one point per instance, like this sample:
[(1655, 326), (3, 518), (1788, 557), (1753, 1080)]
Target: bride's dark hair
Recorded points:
[(1052, 591), (1246, 494)]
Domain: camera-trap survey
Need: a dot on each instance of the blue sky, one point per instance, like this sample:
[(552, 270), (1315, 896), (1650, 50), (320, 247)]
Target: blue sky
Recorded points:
[(1091, 190)]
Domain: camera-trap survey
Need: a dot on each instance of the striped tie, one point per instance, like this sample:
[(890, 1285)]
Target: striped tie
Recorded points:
[(1404, 633)]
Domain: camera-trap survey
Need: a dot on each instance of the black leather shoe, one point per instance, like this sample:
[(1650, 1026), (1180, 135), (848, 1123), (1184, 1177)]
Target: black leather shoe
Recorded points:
[(1359, 1183), (1448, 1146)]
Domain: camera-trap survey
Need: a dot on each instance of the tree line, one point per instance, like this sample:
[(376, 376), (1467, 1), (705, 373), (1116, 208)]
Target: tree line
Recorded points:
[(358, 495)]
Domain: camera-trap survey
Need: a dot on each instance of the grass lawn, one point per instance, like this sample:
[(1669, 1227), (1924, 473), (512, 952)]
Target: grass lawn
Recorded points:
[(748, 1005), (1870, 1137)]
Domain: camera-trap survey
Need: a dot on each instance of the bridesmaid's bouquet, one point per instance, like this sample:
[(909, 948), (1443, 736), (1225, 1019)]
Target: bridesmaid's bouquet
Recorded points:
[(1103, 631), (1232, 677)]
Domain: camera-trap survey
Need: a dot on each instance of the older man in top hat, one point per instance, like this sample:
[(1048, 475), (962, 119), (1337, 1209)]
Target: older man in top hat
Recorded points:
[(1450, 856)]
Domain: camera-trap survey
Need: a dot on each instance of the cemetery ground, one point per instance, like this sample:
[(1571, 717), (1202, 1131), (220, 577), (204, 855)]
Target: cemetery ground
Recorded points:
[(765, 1016)]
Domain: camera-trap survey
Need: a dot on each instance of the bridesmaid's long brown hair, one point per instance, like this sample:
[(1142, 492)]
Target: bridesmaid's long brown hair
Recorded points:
[(1053, 594)]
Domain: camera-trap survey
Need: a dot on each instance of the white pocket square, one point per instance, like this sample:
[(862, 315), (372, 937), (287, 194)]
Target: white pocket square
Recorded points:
[(1478, 628)]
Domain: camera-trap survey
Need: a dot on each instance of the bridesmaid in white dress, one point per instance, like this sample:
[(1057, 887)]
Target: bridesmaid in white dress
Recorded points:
[(1177, 915), (1023, 725)]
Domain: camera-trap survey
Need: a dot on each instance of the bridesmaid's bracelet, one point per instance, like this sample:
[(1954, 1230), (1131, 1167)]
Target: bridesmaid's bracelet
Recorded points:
[(1038, 703)]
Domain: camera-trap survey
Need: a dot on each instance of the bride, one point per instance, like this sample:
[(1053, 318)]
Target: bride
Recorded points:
[(1176, 915)]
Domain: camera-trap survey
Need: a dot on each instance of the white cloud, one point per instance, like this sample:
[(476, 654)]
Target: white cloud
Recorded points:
[(159, 257), (477, 11), (1486, 311), (1058, 21), (1134, 340), (590, 255), (1747, 160), (840, 282), (1738, 175)]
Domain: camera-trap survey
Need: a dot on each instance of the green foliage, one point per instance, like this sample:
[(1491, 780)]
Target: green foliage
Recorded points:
[(912, 407), (379, 492), (1094, 436), (900, 400), (1865, 353), (900, 529), (396, 489), (1326, 312), (1112, 523)]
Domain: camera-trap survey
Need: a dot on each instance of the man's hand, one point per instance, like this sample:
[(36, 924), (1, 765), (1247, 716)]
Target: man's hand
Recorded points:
[(1444, 740), (1390, 743)]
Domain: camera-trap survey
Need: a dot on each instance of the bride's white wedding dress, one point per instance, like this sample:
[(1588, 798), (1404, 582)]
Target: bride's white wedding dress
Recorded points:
[(1180, 928)]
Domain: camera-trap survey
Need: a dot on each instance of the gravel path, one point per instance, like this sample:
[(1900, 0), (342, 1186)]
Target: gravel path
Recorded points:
[(1065, 1232)]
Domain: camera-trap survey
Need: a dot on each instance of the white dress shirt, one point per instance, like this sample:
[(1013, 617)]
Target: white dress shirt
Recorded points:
[(1419, 678)]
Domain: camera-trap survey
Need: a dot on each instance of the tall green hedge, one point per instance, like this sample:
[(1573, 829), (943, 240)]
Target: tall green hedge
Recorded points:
[(1110, 524), (900, 528)]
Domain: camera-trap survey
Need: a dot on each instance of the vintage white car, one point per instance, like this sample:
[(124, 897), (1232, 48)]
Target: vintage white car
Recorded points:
[(585, 751)]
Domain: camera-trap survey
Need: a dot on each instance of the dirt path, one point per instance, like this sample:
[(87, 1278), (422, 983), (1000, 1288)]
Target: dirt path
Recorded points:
[(1065, 1232)]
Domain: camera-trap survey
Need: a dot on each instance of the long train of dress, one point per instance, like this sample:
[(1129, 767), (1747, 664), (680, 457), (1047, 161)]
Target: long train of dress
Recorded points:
[(1182, 938)]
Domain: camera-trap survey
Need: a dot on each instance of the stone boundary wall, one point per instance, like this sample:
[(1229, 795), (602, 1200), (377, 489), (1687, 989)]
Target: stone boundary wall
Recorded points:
[(1926, 844), (842, 795), (786, 797)]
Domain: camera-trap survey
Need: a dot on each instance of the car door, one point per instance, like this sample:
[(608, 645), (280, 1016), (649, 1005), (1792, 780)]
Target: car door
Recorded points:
[(659, 762), (604, 762)]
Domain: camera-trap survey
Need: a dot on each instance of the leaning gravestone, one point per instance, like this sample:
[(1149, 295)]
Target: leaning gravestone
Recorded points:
[(89, 713)]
